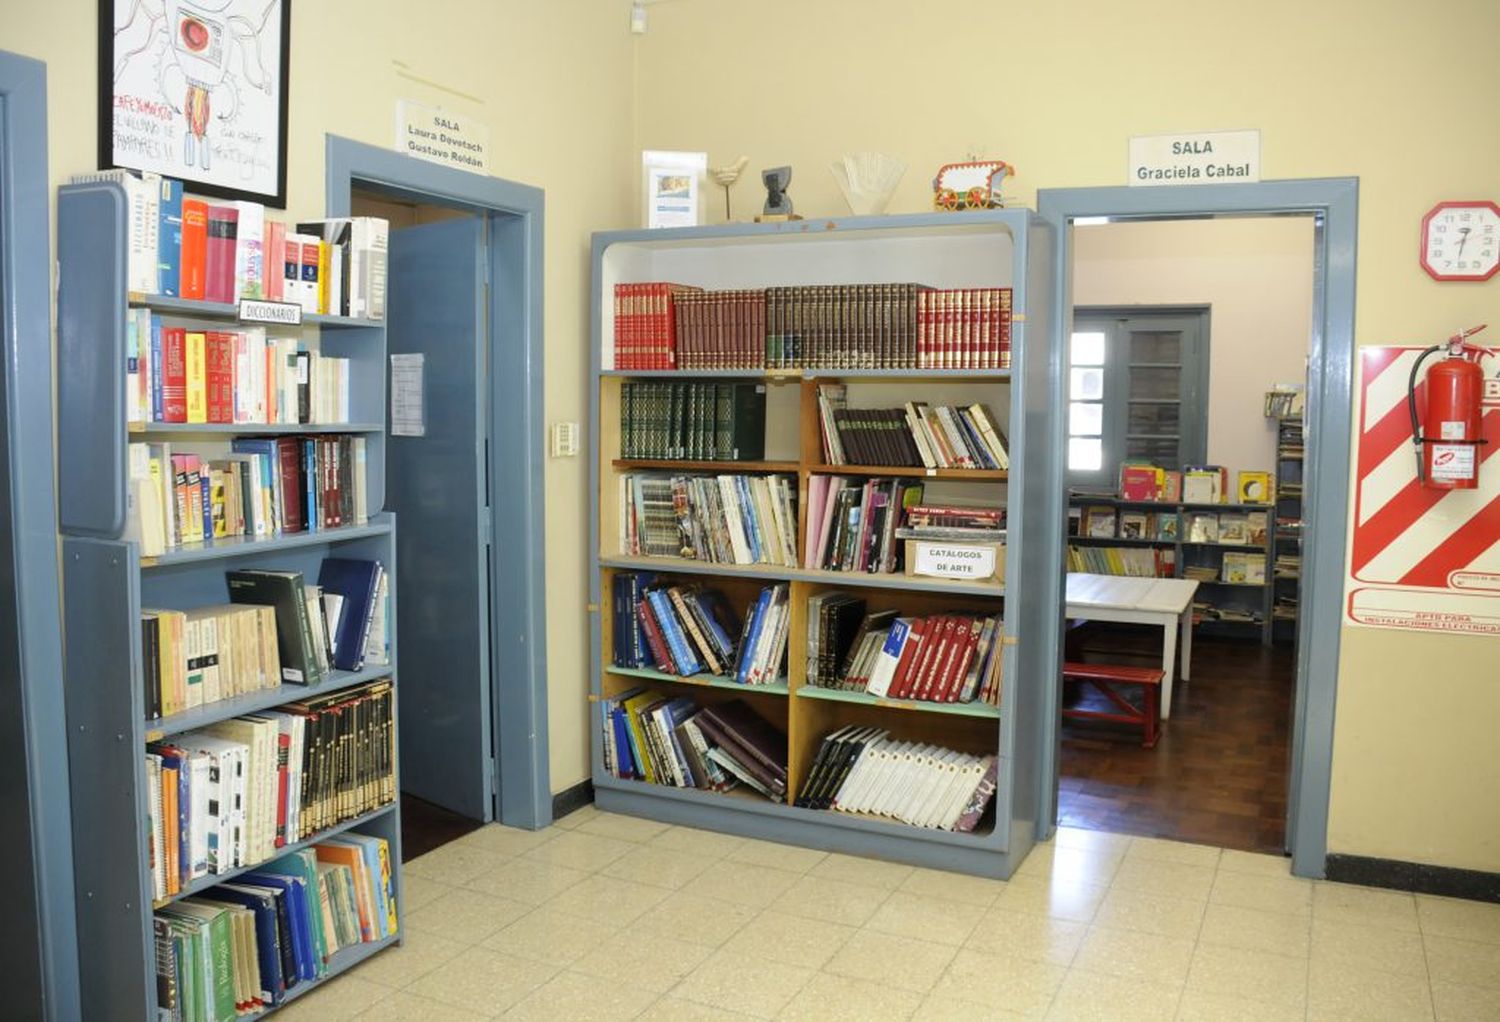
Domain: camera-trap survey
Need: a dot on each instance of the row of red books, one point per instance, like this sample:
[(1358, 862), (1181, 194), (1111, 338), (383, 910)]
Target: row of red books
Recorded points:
[(660, 325)]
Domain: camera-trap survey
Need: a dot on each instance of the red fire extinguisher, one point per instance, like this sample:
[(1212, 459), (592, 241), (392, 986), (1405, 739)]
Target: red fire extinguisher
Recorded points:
[(1448, 440)]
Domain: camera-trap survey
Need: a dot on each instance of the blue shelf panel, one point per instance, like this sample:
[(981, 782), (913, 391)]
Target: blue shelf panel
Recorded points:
[(975, 709), (240, 546), (856, 579), (252, 702), (213, 880), (946, 375), (236, 429), (227, 310), (703, 680)]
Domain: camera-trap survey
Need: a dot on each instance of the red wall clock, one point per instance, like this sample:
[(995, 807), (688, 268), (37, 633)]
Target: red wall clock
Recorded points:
[(1461, 241)]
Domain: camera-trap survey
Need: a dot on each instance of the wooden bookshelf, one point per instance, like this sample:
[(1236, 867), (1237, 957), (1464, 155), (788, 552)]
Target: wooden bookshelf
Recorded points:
[(978, 250), (106, 582)]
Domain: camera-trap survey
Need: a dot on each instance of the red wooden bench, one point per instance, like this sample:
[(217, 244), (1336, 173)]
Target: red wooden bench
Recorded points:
[(1105, 677)]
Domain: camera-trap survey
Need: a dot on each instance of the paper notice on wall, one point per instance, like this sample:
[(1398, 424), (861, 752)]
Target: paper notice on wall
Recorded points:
[(408, 417), (1421, 559)]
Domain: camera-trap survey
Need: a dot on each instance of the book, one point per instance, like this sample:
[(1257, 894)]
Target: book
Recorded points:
[(286, 593), (357, 583), (1255, 488), (711, 421), (220, 255)]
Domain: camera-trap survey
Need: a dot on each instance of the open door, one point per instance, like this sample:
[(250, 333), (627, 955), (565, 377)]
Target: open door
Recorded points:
[(436, 485)]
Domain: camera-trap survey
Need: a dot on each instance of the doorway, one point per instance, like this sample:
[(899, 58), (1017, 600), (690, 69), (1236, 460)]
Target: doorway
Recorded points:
[(464, 478), (1332, 207)]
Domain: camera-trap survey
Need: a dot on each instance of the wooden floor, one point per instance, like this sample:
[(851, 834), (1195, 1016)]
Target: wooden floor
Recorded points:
[(1219, 774)]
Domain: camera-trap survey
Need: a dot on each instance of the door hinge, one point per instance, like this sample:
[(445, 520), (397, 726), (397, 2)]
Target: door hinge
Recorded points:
[(486, 525)]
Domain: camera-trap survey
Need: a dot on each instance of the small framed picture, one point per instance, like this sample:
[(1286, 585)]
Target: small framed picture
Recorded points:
[(197, 90), (673, 187)]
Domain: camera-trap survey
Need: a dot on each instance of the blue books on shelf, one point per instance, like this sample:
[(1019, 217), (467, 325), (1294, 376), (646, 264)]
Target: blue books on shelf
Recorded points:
[(294, 893), (262, 902), (666, 617), (357, 582), (752, 632), (169, 238)]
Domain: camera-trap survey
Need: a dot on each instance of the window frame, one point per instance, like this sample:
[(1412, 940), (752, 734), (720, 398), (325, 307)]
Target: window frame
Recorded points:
[(1117, 323)]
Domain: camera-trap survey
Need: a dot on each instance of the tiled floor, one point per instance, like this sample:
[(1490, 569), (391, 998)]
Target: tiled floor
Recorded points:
[(606, 917)]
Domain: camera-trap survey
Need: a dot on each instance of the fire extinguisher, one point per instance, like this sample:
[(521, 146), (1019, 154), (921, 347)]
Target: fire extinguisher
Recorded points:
[(1447, 442)]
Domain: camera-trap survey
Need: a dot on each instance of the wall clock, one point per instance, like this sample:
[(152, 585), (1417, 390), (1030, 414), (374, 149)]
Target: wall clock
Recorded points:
[(1461, 241)]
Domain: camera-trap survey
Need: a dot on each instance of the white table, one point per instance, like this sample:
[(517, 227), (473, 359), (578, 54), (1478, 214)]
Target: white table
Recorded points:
[(1167, 602)]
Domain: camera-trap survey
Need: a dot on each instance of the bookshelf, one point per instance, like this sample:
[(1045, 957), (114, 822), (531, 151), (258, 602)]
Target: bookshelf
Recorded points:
[(106, 582), (1244, 597), (1286, 566), (998, 248)]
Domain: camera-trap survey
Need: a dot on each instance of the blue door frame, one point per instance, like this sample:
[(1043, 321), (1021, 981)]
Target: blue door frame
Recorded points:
[(1334, 205), (518, 622), (39, 944)]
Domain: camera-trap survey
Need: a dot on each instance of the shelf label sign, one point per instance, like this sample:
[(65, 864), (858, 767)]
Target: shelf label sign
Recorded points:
[(276, 313), (441, 136), (408, 383), (1195, 158), (954, 560), (1419, 559)]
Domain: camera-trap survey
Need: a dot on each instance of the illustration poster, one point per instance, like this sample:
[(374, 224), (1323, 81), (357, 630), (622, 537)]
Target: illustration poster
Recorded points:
[(1420, 559), (196, 90)]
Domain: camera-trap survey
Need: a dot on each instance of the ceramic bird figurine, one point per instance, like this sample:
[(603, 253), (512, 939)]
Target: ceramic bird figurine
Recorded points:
[(726, 176)]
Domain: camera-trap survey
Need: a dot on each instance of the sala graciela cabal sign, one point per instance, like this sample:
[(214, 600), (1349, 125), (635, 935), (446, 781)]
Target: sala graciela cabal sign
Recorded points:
[(1197, 158), (439, 136)]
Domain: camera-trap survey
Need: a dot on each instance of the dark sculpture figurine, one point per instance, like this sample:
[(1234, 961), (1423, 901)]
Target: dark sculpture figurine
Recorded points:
[(778, 202)]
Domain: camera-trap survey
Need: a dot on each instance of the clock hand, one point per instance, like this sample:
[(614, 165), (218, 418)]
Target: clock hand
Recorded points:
[(1463, 238)]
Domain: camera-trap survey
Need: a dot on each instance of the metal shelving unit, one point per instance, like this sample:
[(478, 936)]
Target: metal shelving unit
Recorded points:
[(1182, 547), (1007, 248), (106, 583)]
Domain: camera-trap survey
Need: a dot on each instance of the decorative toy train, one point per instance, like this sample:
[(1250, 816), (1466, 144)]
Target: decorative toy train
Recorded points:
[(972, 185)]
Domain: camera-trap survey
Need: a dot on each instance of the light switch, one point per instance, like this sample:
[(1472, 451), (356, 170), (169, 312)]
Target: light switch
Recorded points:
[(565, 439)]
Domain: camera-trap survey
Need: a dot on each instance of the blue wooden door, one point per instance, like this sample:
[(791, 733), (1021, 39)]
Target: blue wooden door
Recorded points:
[(435, 482)]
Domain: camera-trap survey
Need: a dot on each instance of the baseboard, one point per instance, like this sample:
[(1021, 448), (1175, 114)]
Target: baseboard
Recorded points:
[(572, 799), (1415, 876)]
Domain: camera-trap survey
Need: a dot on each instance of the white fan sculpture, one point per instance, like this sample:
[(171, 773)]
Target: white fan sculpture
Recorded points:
[(868, 180)]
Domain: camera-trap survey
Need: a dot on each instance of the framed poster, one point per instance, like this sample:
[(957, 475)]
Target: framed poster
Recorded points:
[(197, 90)]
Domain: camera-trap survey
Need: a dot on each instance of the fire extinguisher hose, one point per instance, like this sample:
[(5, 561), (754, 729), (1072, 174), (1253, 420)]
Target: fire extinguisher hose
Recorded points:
[(1411, 405)]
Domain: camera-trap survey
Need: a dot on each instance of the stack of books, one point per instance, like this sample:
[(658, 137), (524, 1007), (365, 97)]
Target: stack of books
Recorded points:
[(852, 523), (1231, 528), (695, 421), (262, 487), (716, 747), (865, 770), (916, 434), (964, 328), (243, 947), (660, 325), (941, 658), (176, 374), (184, 247), (1241, 568), (720, 329), (646, 325), (1135, 561), (727, 519), (278, 630), (688, 630), (230, 794), (980, 523)]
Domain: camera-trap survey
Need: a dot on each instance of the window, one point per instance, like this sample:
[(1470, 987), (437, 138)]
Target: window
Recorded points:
[(1137, 391)]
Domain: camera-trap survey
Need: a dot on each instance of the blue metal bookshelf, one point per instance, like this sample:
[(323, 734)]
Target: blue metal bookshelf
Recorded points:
[(995, 248), (106, 582)]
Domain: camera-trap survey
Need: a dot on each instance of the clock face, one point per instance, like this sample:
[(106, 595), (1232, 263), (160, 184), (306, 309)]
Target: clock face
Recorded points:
[(1461, 241)]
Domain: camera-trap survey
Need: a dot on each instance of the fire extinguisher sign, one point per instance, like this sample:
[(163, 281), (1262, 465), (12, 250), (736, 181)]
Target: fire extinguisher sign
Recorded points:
[(1422, 558)]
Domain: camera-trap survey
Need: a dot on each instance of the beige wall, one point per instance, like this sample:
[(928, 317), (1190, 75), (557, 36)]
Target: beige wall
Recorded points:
[(553, 82), (1339, 87), (1255, 274), (1342, 87)]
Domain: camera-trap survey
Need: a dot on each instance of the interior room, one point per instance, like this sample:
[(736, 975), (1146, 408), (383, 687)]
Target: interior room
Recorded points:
[(1238, 292), (681, 509)]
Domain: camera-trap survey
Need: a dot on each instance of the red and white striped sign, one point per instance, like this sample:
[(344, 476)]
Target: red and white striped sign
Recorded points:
[(1421, 559)]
